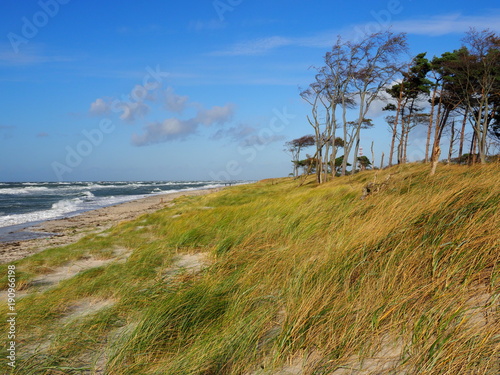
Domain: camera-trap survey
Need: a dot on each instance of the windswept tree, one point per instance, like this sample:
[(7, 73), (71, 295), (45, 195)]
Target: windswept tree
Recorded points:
[(446, 98), (338, 164), (470, 83), (328, 95), (353, 77), (364, 162), (375, 64), (321, 121), (408, 123), (337, 144), (477, 72), (408, 94), (295, 146)]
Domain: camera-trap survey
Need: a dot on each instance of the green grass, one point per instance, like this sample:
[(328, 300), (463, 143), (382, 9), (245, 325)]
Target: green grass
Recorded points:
[(309, 274)]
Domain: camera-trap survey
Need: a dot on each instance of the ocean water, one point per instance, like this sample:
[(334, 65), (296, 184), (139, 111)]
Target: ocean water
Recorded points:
[(25, 203)]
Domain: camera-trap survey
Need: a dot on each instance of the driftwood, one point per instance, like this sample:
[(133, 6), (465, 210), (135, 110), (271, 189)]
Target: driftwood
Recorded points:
[(373, 187)]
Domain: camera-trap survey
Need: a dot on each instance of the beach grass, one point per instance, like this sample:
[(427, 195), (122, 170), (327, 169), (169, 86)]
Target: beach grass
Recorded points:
[(282, 278)]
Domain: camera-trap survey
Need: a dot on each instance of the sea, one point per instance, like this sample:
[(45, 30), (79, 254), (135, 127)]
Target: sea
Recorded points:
[(25, 204)]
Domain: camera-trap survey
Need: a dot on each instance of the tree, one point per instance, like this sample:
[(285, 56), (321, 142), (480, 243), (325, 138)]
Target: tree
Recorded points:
[(338, 164), (364, 162), (471, 82), (353, 77), (375, 66), (328, 95), (452, 137), (407, 94), (295, 146), (478, 76), (322, 119), (308, 165), (446, 97)]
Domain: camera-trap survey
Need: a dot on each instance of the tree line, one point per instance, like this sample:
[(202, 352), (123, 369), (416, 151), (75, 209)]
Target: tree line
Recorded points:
[(448, 94)]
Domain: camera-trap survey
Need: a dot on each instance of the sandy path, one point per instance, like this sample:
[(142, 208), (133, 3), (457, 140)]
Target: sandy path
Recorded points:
[(71, 229)]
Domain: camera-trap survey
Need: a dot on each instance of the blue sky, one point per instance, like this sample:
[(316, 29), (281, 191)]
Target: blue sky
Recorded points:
[(184, 90)]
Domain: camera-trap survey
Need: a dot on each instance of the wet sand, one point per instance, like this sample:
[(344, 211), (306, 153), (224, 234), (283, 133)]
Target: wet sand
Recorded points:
[(68, 230)]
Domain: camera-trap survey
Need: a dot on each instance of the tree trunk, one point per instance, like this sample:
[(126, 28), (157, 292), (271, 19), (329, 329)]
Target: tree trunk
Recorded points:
[(436, 153), (401, 142), (452, 139), (393, 142), (429, 130), (332, 161), (355, 158), (406, 131), (325, 161), (428, 142), (373, 156), (474, 148), (483, 146), (346, 146), (462, 135), (481, 128), (395, 127), (470, 159), (319, 163), (405, 146), (436, 149), (382, 161)]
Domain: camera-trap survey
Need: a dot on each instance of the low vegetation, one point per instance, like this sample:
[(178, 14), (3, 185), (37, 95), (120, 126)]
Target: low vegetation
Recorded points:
[(309, 280)]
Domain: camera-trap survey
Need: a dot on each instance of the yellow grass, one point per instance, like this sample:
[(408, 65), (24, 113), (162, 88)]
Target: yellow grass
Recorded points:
[(308, 278)]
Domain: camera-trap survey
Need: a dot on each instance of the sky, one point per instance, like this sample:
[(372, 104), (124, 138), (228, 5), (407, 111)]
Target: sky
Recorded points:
[(186, 90)]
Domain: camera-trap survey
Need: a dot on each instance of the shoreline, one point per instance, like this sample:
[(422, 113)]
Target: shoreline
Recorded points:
[(64, 231)]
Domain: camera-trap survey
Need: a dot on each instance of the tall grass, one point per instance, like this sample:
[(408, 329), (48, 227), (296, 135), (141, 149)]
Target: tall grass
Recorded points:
[(407, 277)]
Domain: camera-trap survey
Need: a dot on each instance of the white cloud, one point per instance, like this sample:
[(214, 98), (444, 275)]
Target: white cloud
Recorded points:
[(261, 140), (215, 115), (141, 93), (168, 130), (133, 110), (130, 111), (177, 129), (235, 133), (437, 25), (454, 23), (99, 107), (248, 136), (173, 102)]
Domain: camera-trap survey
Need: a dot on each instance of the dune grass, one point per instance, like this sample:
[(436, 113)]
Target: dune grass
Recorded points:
[(313, 276)]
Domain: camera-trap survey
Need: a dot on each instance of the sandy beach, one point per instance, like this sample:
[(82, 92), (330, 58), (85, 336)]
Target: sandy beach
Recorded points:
[(68, 230)]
